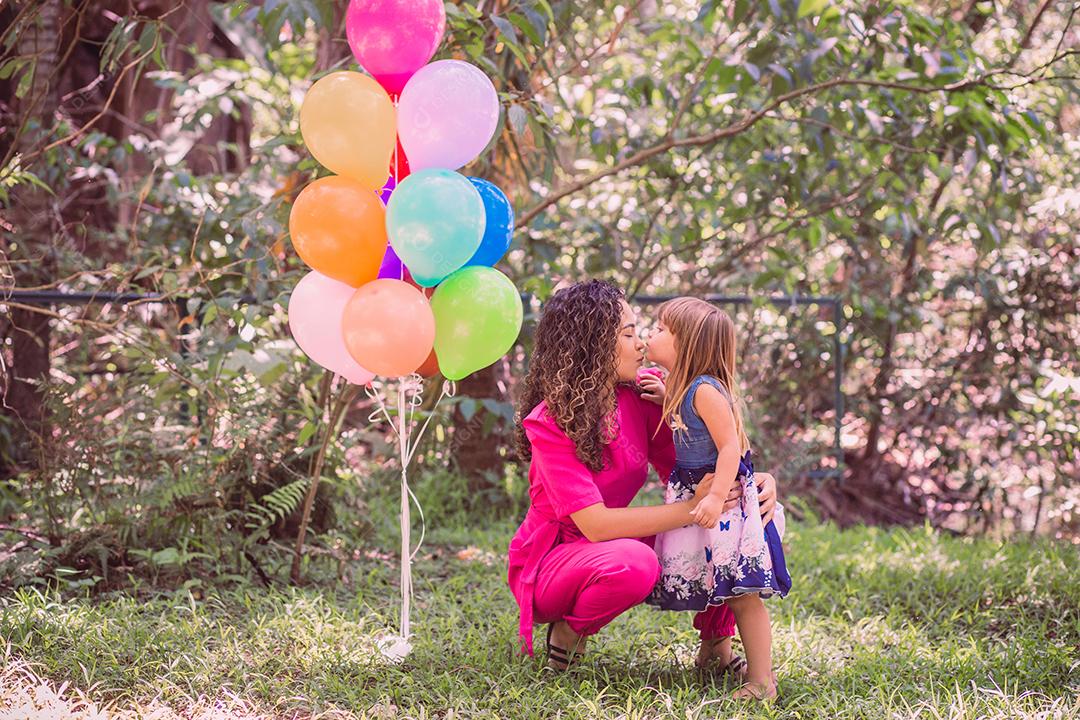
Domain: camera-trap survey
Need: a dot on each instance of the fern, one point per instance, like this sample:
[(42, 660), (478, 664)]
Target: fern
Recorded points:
[(278, 504), (180, 488)]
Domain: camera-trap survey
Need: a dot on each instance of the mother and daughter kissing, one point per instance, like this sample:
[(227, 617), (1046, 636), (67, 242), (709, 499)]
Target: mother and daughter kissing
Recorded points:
[(591, 423)]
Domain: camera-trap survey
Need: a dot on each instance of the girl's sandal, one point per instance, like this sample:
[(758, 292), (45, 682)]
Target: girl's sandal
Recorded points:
[(736, 668), (559, 658), (756, 691)]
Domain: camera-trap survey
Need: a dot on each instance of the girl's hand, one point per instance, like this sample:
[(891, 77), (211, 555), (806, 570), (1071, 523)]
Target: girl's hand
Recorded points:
[(701, 491), (652, 387), (766, 495), (708, 511)]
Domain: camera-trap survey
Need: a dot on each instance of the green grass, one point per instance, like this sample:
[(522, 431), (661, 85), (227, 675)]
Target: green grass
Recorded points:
[(881, 624)]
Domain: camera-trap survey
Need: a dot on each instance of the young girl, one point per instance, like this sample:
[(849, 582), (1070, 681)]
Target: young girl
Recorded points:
[(733, 557)]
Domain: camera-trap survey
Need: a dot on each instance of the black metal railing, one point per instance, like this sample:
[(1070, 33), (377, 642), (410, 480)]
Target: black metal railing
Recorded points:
[(182, 303)]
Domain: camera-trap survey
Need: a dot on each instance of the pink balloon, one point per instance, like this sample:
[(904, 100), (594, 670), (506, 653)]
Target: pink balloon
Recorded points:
[(315, 310), (447, 115), (392, 39)]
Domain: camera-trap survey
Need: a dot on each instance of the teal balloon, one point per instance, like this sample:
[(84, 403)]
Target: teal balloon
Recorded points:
[(435, 220), (478, 315)]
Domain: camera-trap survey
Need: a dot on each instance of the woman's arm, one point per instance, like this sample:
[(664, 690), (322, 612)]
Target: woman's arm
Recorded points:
[(715, 412), (572, 491), (599, 522)]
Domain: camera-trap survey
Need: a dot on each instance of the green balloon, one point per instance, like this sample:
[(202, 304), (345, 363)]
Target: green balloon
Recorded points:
[(478, 317)]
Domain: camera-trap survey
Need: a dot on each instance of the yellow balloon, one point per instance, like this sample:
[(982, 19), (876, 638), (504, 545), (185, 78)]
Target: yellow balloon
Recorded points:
[(349, 125)]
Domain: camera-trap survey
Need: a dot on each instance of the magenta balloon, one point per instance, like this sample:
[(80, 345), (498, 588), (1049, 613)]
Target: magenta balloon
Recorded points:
[(316, 307), (447, 115), (392, 39)]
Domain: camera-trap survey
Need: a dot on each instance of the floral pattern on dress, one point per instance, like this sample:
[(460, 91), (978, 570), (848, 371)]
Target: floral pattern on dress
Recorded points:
[(702, 566)]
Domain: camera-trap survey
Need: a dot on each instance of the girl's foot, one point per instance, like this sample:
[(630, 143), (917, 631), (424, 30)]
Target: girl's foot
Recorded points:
[(756, 691), (564, 646), (715, 656)]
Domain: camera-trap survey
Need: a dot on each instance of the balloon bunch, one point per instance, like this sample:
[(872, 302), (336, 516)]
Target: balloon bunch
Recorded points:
[(377, 245)]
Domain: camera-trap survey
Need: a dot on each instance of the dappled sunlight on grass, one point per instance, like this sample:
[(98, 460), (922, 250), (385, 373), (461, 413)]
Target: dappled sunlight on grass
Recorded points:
[(941, 627)]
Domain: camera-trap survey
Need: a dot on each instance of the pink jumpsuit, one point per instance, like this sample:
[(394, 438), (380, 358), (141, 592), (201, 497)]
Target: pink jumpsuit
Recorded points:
[(556, 573)]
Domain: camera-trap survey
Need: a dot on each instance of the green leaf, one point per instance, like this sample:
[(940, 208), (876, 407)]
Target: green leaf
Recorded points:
[(168, 556), (8, 69), (25, 81), (270, 376), (811, 7), (518, 118), (306, 432)]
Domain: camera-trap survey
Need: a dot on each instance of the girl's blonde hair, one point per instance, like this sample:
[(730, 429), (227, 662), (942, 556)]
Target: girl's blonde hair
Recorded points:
[(704, 345)]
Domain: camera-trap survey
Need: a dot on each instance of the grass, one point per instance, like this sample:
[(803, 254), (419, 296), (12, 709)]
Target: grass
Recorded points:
[(881, 624)]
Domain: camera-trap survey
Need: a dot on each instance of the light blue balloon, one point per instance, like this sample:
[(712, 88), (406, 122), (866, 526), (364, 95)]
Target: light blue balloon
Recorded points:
[(435, 220)]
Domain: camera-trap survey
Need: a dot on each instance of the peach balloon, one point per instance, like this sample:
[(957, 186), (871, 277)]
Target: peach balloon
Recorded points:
[(338, 227), (350, 126), (388, 327)]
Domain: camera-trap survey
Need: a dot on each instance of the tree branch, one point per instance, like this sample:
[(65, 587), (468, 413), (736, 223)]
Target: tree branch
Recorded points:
[(670, 143)]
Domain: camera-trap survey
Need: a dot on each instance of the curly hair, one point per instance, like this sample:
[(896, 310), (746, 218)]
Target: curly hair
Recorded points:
[(574, 368)]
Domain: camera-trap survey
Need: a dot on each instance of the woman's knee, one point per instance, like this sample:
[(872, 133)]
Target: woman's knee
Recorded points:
[(636, 565)]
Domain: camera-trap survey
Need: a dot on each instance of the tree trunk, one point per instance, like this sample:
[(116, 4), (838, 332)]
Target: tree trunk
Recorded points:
[(33, 219), (476, 452)]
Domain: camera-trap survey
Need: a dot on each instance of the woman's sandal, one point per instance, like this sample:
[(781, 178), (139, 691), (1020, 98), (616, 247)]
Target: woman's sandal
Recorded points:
[(559, 658)]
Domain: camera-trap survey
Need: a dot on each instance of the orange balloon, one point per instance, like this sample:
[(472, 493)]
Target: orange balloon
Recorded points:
[(430, 368), (349, 124), (390, 325), (338, 227)]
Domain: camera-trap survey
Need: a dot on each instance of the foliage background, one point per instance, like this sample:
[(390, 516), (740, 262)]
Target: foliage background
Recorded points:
[(914, 159)]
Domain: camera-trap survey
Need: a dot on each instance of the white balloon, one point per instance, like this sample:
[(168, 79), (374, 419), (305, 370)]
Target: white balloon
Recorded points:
[(447, 115)]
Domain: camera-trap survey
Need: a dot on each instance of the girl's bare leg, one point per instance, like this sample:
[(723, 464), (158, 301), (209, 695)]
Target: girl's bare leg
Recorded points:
[(752, 617)]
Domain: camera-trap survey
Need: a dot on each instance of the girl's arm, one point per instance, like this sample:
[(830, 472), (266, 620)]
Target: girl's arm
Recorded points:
[(715, 410)]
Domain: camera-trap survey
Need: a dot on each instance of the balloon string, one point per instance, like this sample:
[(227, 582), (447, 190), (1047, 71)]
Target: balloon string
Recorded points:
[(423, 524), (375, 395), (419, 436), (397, 172), (406, 556), (410, 390), (412, 451)]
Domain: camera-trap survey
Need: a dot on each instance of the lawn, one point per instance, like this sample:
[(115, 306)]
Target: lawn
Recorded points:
[(881, 624)]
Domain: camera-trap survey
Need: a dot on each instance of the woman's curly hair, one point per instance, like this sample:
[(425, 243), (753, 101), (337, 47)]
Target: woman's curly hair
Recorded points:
[(574, 368)]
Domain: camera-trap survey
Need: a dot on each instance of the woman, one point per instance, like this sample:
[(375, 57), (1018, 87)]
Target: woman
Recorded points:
[(578, 559)]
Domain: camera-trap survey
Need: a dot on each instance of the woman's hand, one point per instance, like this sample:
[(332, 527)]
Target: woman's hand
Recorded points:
[(766, 495), (734, 496)]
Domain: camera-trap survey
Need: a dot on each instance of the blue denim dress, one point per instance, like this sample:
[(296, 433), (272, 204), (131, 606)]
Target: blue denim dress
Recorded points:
[(705, 566)]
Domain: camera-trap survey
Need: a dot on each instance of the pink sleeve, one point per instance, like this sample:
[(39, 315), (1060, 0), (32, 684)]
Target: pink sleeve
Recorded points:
[(567, 481), (661, 442)]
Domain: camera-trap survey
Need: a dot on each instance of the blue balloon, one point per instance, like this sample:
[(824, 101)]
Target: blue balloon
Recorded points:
[(500, 224)]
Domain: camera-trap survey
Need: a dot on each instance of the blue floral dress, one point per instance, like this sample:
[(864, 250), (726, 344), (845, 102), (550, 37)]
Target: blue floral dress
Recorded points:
[(702, 566)]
